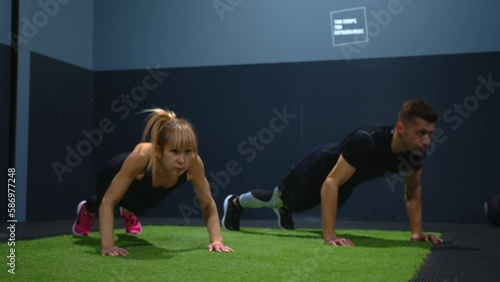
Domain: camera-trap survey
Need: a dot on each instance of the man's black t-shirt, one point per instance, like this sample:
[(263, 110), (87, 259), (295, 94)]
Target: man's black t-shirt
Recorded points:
[(368, 150)]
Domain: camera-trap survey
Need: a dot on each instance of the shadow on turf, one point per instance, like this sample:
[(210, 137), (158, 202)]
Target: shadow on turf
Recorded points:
[(360, 241), (138, 248)]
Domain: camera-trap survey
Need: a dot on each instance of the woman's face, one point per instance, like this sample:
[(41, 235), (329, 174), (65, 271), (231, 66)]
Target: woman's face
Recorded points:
[(176, 160)]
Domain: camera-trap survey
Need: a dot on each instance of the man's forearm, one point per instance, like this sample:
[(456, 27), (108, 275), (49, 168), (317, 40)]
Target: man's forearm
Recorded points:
[(329, 198), (413, 203)]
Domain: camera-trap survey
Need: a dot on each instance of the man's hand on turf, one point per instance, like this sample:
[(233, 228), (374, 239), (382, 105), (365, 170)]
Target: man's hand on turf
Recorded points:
[(219, 247), (338, 241), (426, 238), (113, 251)]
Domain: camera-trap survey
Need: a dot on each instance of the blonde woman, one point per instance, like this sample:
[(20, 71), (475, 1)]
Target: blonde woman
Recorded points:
[(140, 180)]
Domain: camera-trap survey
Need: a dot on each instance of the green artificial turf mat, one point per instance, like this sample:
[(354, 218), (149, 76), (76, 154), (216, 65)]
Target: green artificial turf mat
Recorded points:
[(179, 253)]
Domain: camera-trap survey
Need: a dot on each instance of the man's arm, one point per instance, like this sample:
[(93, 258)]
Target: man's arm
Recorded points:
[(340, 173), (413, 204)]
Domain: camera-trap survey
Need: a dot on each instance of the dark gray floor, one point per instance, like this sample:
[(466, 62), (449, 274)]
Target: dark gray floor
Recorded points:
[(471, 252)]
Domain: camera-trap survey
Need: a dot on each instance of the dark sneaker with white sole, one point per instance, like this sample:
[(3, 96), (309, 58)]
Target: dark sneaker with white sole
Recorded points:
[(285, 219), (232, 214)]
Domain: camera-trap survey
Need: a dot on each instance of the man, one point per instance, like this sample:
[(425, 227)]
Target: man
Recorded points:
[(328, 173)]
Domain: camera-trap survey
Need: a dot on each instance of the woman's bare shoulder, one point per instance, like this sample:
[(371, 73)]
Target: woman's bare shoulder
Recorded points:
[(138, 159)]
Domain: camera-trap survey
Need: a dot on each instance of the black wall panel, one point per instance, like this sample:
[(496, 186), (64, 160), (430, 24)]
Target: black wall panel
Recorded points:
[(260, 118), (325, 101), (61, 107), (5, 88)]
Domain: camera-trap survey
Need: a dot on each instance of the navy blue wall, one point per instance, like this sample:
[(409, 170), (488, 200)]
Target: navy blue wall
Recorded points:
[(5, 80), (61, 107), (5, 20), (228, 104), (231, 75)]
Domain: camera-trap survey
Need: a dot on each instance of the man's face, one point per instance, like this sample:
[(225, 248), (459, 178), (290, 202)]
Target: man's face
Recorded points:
[(416, 135)]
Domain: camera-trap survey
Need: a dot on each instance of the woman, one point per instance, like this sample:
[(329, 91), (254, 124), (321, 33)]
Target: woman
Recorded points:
[(140, 180)]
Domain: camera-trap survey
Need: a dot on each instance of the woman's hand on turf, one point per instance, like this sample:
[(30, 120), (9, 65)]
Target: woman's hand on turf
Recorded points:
[(338, 241), (114, 251), (426, 238), (219, 247)]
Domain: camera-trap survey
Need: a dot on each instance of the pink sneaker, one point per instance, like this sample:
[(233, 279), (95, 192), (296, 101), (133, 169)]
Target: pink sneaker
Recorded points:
[(82, 224), (132, 225)]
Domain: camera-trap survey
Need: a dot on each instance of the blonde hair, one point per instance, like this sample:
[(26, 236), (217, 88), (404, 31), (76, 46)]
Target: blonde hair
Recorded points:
[(163, 127)]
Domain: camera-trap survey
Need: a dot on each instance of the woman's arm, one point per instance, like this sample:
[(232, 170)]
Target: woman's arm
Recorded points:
[(208, 207), (133, 165)]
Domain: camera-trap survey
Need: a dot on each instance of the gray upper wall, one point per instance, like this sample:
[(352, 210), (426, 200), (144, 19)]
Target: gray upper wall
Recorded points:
[(61, 29), (129, 34), (5, 18)]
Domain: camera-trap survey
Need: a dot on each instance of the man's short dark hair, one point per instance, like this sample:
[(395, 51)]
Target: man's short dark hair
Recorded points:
[(413, 109)]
